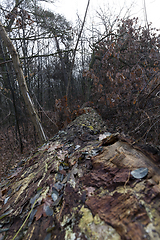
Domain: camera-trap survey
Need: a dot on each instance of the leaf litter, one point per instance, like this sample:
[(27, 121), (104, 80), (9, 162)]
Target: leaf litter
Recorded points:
[(69, 192)]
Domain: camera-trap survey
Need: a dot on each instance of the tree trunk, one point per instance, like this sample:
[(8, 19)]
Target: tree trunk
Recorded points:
[(11, 87), (88, 190), (22, 84), (75, 50), (65, 77)]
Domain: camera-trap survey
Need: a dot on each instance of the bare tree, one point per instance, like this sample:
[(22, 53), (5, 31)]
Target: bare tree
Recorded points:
[(75, 49), (22, 84)]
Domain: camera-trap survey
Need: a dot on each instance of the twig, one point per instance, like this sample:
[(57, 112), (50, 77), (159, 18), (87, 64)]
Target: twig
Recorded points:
[(146, 133), (146, 85), (25, 220), (44, 112), (148, 118), (150, 129), (6, 117), (127, 180), (152, 91), (5, 62)]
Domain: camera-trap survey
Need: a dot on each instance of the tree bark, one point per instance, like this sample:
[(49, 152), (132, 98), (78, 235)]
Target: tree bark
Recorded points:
[(98, 196), (22, 84), (62, 62), (11, 87)]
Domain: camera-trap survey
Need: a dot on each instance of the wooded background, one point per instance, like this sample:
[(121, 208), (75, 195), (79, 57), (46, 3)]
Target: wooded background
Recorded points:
[(113, 67)]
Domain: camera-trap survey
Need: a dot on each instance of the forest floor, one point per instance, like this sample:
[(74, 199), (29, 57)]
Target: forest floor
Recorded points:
[(70, 179), (10, 151)]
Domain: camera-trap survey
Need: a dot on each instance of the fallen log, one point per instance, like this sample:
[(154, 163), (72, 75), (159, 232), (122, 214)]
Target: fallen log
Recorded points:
[(84, 183)]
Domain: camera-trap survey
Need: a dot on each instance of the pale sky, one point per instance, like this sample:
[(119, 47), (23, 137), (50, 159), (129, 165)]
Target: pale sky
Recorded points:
[(69, 8)]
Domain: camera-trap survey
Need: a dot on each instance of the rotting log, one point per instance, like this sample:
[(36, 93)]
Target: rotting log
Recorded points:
[(79, 186)]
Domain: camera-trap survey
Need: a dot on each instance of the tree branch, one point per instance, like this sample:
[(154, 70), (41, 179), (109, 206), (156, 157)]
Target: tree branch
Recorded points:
[(74, 53)]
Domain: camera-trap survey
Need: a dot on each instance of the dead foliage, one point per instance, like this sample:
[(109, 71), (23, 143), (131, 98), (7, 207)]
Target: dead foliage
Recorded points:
[(124, 76), (79, 185)]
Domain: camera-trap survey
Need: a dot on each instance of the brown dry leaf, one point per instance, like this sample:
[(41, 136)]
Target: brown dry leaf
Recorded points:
[(3, 191), (56, 145), (39, 212), (44, 209), (62, 154), (48, 200)]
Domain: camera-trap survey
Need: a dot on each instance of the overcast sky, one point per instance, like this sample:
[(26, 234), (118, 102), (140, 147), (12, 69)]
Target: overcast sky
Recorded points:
[(69, 8)]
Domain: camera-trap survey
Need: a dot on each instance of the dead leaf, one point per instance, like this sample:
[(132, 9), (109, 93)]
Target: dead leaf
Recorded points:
[(53, 147), (39, 212), (45, 208), (62, 154)]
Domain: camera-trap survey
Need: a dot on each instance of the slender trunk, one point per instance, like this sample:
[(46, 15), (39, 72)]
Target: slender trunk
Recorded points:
[(65, 77), (22, 84), (75, 50), (11, 86)]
